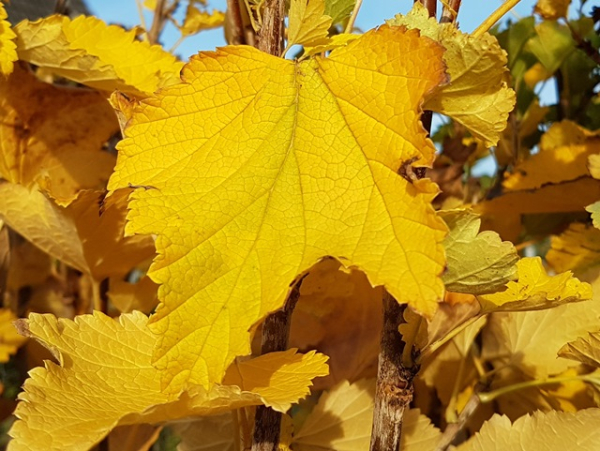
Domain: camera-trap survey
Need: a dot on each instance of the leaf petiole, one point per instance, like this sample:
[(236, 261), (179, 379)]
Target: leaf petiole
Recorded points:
[(491, 396), (495, 17)]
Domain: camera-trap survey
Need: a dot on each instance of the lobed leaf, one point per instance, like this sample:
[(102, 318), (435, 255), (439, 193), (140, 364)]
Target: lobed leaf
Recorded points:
[(88, 51), (104, 378), (478, 263), (258, 167), (536, 290), (478, 95)]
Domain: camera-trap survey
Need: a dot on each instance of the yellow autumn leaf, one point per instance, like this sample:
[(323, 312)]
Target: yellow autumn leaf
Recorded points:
[(270, 379), (552, 9), (10, 340), (478, 263), (104, 373), (576, 249), (88, 51), (150, 4), (335, 42), (563, 156), (547, 331), (65, 131), (277, 164), (535, 290), (343, 418), (572, 195), (478, 95), (78, 234), (308, 23), (594, 210), (551, 431), (594, 165), (196, 21), (585, 350), (8, 53)]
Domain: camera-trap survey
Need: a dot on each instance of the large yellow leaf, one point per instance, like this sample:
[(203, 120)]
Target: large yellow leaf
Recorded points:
[(552, 431), (88, 51), (8, 53), (54, 133), (478, 263), (478, 95), (343, 418), (77, 234), (10, 340), (536, 290), (308, 23), (257, 167), (104, 378)]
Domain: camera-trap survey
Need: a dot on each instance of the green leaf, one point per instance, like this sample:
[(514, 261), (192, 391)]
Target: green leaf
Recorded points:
[(478, 263), (339, 10)]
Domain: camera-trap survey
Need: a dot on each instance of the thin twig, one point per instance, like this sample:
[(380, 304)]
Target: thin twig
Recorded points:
[(270, 36), (353, 16), (275, 336), (157, 22), (453, 429), (431, 6), (495, 17), (394, 390), (450, 11), (140, 9)]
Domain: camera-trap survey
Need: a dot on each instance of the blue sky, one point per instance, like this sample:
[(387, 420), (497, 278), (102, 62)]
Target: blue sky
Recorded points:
[(372, 14)]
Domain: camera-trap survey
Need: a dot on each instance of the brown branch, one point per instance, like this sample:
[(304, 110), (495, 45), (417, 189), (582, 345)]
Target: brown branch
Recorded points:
[(236, 23), (275, 336), (157, 22), (453, 429), (431, 6), (394, 390), (270, 36), (450, 11)]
